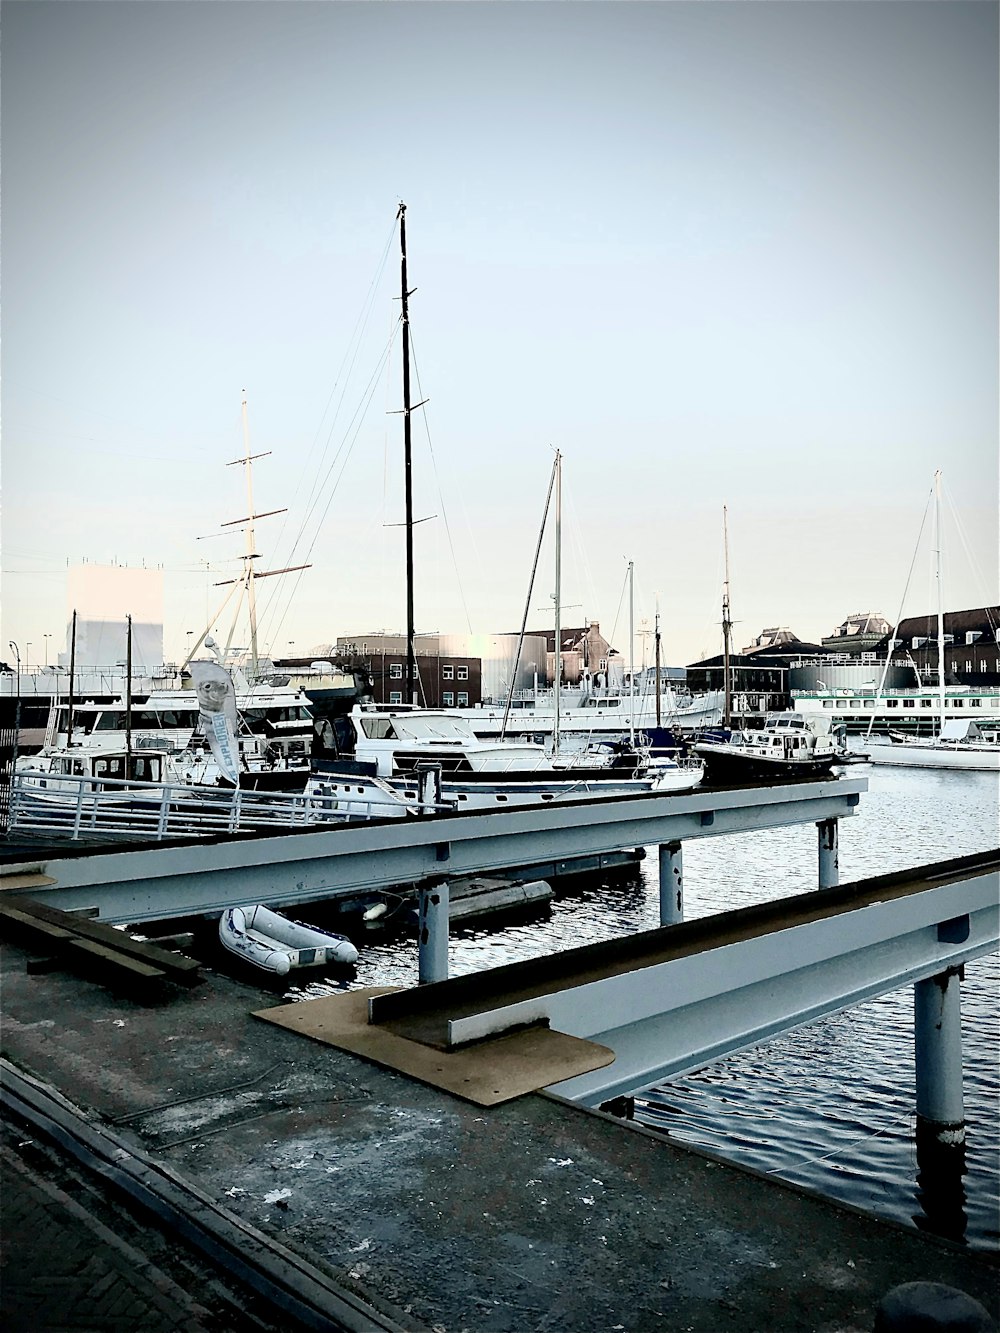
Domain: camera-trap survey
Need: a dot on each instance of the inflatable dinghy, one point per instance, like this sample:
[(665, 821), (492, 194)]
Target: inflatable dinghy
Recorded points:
[(273, 943)]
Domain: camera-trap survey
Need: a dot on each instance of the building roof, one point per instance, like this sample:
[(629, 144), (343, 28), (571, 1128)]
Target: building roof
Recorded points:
[(983, 618)]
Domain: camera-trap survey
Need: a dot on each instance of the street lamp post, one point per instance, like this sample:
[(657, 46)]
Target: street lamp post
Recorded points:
[(46, 637)]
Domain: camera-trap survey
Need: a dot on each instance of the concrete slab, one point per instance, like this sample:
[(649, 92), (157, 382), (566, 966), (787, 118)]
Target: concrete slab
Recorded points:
[(531, 1214)]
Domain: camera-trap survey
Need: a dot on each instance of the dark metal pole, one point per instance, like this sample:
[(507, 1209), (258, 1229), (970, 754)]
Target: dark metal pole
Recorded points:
[(72, 682), (727, 629), (128, 693), (411, 661), (657, 665)]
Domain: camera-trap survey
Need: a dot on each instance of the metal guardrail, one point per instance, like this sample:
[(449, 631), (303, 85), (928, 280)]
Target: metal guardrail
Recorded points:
[(78, 808)]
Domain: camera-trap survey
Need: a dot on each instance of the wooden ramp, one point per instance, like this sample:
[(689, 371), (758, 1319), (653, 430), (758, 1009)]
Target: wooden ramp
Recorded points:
[(107, 955)]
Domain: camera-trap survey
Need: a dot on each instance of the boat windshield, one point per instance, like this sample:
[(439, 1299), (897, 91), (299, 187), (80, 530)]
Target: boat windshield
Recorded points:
[(434, 727)]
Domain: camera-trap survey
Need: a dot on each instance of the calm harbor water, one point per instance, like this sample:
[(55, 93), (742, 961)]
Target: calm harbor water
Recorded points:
[(829, 1106)]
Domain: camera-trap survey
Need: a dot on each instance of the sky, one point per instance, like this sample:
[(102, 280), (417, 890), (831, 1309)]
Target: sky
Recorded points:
[(723, 257)]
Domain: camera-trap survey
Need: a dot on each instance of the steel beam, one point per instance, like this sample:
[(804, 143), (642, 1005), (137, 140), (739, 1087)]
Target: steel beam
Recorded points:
[(664, 1016), (208, 875)]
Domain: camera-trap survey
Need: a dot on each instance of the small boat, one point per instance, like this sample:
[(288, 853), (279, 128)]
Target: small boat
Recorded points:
[(787, 746), (959, 745), (275, 944)]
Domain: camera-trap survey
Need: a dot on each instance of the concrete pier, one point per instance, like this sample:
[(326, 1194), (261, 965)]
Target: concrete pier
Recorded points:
[(373, 1201)]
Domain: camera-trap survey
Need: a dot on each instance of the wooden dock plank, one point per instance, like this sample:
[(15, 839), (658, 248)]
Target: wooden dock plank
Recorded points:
[(180, 968), (117, 963)]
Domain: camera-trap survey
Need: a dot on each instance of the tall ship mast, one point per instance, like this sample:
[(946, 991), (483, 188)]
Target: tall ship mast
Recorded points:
[(727, 629)]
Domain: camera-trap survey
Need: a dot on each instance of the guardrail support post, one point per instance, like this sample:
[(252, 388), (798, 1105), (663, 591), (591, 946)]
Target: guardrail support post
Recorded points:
[(938, 1050), (433, 931), (940, 1132), (829, 853), (671, 883)]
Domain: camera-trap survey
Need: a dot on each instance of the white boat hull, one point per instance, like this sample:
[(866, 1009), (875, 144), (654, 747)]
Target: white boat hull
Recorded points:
[(913, 755), (339, 795)]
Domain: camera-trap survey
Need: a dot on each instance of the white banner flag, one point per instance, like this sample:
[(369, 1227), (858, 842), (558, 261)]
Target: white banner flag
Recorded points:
[(217, 702)]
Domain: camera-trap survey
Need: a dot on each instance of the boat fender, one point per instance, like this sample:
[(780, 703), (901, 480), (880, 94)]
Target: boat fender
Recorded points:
[(375, 912)]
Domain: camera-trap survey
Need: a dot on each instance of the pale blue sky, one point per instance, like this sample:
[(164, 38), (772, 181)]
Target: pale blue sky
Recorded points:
[(739, 253)]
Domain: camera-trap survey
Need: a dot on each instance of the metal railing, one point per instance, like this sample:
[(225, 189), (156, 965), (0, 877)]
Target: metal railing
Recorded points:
[(84, 808)]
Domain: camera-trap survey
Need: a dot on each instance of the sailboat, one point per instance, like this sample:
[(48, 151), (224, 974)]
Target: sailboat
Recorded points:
[(394, 743), (959, 743), (789, 745)]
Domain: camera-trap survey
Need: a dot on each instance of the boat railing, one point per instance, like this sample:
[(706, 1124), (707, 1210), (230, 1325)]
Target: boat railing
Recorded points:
[(86, 808)]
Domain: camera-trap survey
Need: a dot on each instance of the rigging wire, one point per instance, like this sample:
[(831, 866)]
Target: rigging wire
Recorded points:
[(974, 565), (343, 378), (902, 604), (437, 479), (342, 457), (527, 607), (277, 604)]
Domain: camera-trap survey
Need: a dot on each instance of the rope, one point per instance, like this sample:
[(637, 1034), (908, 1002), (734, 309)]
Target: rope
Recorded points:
[(825, 1157)]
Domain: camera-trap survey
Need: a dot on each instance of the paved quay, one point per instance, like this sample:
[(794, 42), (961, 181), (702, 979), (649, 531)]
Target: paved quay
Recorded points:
[(339, 1194)]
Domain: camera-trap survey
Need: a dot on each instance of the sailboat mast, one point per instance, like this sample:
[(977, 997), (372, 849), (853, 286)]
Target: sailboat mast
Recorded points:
[(411, 661), (657, 643), (940, 599), (727, 629), (251, 554), (558, 602), (631, 656), (128, 689)]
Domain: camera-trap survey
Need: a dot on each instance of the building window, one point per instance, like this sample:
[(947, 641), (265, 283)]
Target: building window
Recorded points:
[(447, 673), (463, 698), (959, 703), (975, 703), (926, 703), (907, 703), (892, 703), (448, 698), (396, 671), (395, 696), (461, 673)]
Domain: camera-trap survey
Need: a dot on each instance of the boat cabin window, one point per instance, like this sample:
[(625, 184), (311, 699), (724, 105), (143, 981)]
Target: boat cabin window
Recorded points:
[(83, 723), (69, 766), (434, 727), (146, 719), (378, 728), (143, 768)]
